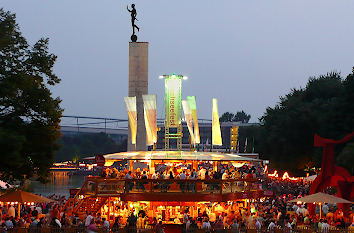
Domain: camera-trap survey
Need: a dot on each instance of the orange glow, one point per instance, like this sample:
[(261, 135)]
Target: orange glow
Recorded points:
[(275, 174), (286, 176), (265, 169)]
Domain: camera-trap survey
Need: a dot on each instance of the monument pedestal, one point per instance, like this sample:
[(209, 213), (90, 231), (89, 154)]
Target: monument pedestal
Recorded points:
[(138, 86)]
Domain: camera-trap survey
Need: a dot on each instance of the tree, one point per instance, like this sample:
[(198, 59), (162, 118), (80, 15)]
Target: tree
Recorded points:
[(324, 107), (85, 145), (227, 117), (29, 115), (240, 116)]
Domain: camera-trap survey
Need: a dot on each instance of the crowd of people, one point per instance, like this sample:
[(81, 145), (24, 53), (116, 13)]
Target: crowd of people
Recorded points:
[(265, 213), (225, 171)]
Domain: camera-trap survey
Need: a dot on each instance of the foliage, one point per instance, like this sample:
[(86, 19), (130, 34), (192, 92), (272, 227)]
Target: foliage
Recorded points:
[(346, 158), (85, 145), (240, 116), (29, 115), (324, 106)]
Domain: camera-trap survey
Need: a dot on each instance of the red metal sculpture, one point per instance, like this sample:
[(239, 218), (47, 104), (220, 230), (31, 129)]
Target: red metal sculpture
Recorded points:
[(331, 175)]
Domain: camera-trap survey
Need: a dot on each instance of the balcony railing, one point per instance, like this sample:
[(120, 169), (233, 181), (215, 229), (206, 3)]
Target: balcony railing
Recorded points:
[(111, 186)]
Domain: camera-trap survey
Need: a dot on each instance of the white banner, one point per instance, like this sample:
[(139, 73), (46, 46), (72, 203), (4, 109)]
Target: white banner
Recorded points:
[(189, 119), (150, 117), (130, 103), (193, 107)]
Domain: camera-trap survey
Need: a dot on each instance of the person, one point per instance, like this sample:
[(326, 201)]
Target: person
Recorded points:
[(116, 225), (41, 222), (225, 175), (271, 227), (325, 226), (287, 227), (159, 227), (88, 219), (319, 224), (55, 223), (55, 212), (325, 209), (182, 177), (106, 225), (11, 211), (91, 228), (234, 226), (219, 225), (128, 176), (8, 223), (34, 223), (155, 175), (131, 223), (188, 224), (206, 225), (141, 223), (258, 225)]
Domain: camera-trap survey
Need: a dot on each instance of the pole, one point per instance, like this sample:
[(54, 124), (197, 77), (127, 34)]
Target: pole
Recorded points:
[(320, 210), (19, 210)]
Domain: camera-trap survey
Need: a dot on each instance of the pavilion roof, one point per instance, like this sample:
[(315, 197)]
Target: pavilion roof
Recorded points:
[(178, 155)]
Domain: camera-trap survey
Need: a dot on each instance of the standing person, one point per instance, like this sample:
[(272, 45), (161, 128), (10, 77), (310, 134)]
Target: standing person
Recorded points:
[(116, 225), (272, 226), (11, 211), (325, 226), (159, 227), (258, 225), (219, 225), (106, 225), (88, 219), (91, 228), (206, 225), (132, 223), (185, 220), (234, 226), (55, 212), (141, 223)]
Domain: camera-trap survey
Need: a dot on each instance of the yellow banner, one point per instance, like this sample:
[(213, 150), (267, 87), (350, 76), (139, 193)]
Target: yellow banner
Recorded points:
[(216, 131), (130, 103), (193, 107), (150, 117), (189, 119)]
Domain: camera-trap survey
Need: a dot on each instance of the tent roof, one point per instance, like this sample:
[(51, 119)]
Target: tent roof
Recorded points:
[(22, 196), (321, 198), (178, 155)]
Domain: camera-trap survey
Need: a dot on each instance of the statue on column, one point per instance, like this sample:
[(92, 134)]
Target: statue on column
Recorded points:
[(133, 14)]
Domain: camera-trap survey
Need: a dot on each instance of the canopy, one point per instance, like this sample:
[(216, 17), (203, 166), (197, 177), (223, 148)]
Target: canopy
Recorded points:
[(179, 155), (321, 198), (310, 178), (22, 197)]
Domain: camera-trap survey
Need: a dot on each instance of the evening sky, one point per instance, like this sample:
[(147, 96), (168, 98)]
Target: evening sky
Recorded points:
[(245, 53)]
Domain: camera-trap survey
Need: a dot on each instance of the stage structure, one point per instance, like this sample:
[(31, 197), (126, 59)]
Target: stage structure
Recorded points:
[(173, 103)]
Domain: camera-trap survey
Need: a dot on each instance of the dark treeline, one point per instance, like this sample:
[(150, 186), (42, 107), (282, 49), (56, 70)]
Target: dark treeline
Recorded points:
[(78, 146), (285, 137)]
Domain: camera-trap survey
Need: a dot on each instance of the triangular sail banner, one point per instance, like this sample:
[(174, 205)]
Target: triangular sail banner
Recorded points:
[(193, 107), (150, 117), (130, 103), (188, 117), (216, 131)]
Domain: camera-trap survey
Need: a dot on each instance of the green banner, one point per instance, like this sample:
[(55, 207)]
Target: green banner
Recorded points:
[(173, 100)]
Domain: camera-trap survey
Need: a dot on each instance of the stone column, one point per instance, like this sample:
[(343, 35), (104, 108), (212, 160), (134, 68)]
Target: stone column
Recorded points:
[(138, 86)]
